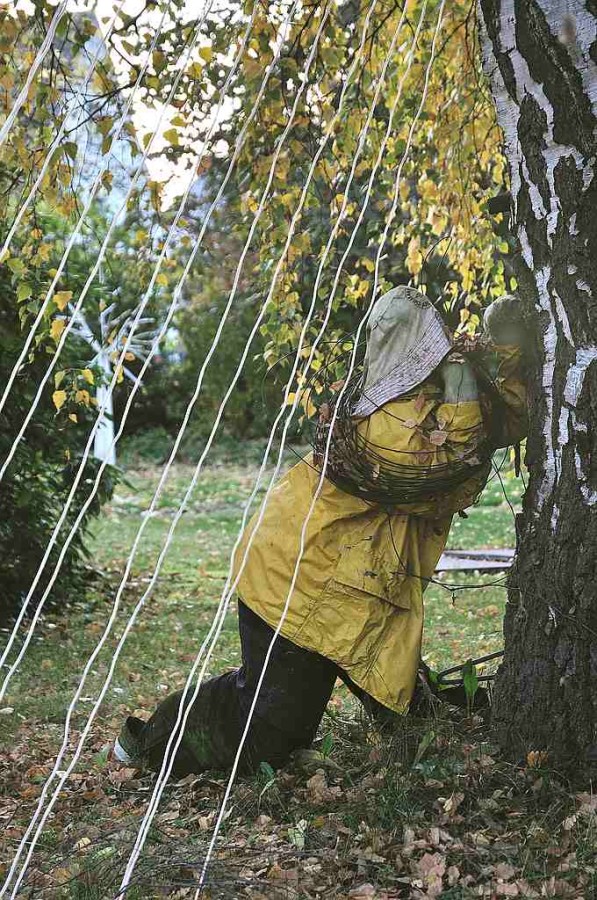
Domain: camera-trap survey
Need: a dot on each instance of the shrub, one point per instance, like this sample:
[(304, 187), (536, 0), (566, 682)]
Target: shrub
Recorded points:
[(36, 484)]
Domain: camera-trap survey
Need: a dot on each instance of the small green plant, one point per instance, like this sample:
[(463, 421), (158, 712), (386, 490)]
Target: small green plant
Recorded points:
[(327, 744), (297, 834), (268, 775), (470, 682)]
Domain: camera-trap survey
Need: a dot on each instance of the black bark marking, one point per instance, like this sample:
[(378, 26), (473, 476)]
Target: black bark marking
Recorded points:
[(532, 128), (586, 437), (491, 18), (550, 66)]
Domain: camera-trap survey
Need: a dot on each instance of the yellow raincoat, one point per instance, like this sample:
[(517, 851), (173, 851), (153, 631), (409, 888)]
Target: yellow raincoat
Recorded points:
[(358, 596)]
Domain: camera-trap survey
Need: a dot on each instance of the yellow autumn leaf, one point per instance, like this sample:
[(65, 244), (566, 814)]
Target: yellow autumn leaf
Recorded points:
[(309, 407), (62, 298), (195, 70), (73, 417), (82, 397), (59, 398), (88, 376), (414, 258), (56, 328)]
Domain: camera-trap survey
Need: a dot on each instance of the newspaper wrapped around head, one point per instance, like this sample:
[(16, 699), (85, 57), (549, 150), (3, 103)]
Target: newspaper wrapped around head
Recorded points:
[(406, 341)]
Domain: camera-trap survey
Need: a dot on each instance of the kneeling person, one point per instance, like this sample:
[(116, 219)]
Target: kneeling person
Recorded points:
[(356, 610)]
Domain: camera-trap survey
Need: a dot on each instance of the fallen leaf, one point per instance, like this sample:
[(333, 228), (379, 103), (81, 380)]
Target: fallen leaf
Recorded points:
[(504, 871), (588, 803), (81, 844), (363, 892), (452, 804), (453, 874), (438, 438), (431, 864)]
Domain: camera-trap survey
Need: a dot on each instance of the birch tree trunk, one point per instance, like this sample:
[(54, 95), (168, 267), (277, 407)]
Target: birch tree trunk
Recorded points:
[(541, 60)]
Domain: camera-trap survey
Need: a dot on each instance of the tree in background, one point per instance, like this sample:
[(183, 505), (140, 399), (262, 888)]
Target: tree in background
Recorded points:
[(540, 60), (40, 145), (441, 238)]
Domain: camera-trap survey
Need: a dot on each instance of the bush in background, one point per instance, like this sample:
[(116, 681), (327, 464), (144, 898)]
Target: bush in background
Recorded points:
[(35, 487)]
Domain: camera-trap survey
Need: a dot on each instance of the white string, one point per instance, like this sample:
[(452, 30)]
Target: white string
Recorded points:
[(105, 403), (64, 775), (325, 460), (153, 349), (222, 609), (94, 189), (39, 58), (182, 715), (74, 102)]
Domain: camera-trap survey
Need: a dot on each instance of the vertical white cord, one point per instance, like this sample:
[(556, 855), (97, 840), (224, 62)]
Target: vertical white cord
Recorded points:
[(39, 58), (56, 142), (221, 611), (106, 399), (323, 468), (65, 774), (176, 736), (94, 189)]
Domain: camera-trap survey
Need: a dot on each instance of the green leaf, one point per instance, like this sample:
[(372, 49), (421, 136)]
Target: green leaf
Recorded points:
[(470, 681), (327, 744), (70, 148), (266, 769), (17, 267), (424, 745), (24, 291)]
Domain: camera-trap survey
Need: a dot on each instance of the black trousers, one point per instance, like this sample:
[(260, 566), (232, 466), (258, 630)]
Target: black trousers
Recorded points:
[(292, 699)]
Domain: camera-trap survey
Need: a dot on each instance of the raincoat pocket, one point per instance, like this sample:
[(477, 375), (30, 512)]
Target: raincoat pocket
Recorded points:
[(369, 567)]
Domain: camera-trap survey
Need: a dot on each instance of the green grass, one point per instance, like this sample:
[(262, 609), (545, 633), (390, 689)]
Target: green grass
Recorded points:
[(177, 614), (158, 654)]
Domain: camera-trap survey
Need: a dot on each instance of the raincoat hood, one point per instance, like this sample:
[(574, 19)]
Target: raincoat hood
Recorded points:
[(406, 341)]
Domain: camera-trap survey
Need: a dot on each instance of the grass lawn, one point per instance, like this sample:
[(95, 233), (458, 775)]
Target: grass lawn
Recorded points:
[(427, 812)]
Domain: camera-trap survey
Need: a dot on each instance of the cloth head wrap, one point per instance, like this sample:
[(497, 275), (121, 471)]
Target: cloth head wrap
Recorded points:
[(406, 341)]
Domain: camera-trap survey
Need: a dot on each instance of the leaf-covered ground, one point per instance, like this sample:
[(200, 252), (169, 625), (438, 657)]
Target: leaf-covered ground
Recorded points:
[(428, 811)]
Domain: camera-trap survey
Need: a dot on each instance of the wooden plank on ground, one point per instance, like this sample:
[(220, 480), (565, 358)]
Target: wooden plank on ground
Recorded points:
[(475, 560)]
